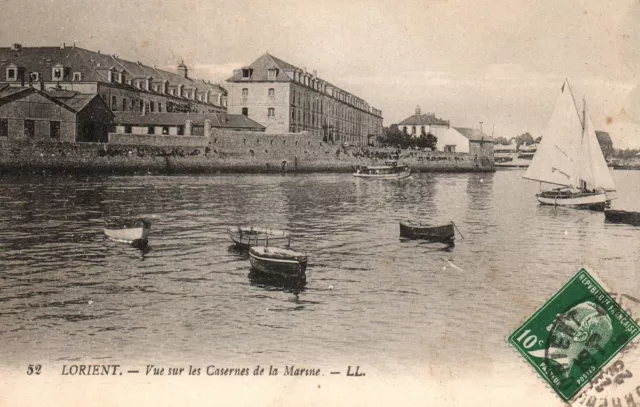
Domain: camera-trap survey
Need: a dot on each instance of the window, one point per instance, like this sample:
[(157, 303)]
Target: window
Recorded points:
[(12, 74), (141, 105), (34, 76), (246, 73), (54, 129), (272, 92), (57, 74), (151, 130), (4, 128), (159, 107), (245, 92), (413, 130), (29, 128), (272, 74), (152, 106), (271, 112), (450, 148), (245, 111), (124, 104), (114, 103)]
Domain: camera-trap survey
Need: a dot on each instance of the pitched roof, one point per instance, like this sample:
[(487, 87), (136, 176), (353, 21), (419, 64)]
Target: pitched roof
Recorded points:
[(7, 91), (79, 101), (219, 120), (261, 68), (423, 120), (473, 134), (92, 65), (72, 100)]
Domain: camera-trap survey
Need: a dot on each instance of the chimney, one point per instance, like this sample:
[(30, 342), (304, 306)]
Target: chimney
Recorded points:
[(315, 73), (63, 46), (418, 110), (183, 70)]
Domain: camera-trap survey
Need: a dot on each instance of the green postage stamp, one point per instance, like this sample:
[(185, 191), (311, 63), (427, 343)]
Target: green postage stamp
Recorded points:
[(578, 331)]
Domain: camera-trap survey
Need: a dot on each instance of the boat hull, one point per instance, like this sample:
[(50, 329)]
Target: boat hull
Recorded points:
[(399, 175), (262, 238), (283, 268), (442, 233), (124, 230), (135, 236), (596, 201), (617, 216)]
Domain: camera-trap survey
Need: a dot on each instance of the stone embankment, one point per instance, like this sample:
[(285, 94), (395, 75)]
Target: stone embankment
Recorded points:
[(223, 152)]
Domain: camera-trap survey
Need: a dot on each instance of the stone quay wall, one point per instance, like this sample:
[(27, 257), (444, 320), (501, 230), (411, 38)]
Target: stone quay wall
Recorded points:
[(223, 151)]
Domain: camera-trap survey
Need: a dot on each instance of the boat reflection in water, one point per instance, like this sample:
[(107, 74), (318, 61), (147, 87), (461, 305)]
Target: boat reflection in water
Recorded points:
[(276, 282)]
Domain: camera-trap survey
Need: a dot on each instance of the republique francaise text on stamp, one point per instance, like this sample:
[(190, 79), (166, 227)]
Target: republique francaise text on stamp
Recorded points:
[(577, 332)]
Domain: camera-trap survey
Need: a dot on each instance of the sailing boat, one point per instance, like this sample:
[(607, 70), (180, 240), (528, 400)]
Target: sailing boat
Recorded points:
[(570, 156)]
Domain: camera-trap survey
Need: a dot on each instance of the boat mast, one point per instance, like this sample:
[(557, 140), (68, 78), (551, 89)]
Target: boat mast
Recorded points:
[(583, 184)]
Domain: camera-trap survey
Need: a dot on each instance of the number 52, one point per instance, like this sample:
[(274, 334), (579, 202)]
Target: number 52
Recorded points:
[(34, 369)]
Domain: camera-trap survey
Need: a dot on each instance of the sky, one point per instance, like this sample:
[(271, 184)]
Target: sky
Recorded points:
[(499, 62)]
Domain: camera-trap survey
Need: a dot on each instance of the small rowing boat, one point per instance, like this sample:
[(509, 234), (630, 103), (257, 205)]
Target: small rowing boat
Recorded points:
[(134, 231), (418, 230), (247, 236), (278, 262), (618, 216), (390, 170)]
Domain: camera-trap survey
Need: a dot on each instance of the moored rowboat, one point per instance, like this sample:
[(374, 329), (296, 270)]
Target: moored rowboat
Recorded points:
[(278, 262), (247, 236), (127, 230), (417, 230)]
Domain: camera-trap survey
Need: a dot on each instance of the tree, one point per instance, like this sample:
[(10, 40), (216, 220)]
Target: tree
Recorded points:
[(392, 136), (605, 143), (524, 138), (502, 140)]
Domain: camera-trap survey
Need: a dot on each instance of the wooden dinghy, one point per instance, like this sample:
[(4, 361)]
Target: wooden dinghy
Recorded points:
[(618, 216), (133, 231), (248, 236), (417, 230), (278, 262)]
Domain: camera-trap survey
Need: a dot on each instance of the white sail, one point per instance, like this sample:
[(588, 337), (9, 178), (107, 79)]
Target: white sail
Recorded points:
[(596, 172), (556, 159)]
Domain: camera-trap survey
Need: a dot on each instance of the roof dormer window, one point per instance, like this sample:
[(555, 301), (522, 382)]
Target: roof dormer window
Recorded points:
[(34, 76), (77, 76), (12, 73), (57, 73), (246, 73), (272, 74)]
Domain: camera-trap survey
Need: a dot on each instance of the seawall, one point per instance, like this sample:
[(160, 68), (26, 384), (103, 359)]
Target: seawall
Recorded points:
[(222, 152)]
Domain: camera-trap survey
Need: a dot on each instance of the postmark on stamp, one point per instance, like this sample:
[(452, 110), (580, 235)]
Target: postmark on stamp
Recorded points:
[(574, 334)]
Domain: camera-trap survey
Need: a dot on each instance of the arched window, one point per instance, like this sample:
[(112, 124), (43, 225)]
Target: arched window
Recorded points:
[(114, 103), (124, 104)]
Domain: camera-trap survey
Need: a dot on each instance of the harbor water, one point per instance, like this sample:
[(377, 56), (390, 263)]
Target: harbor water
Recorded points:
[(67, 294)]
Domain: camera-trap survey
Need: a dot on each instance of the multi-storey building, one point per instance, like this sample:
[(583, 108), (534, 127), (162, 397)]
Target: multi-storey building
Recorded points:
[(124, 85), (285, 98)]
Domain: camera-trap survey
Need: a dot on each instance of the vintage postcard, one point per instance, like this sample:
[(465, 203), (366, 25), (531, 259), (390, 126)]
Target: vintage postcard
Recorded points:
[(285, 203)]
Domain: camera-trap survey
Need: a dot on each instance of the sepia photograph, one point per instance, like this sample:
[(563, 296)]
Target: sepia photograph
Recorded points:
[(293, 203)]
